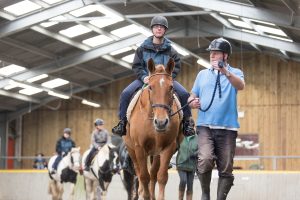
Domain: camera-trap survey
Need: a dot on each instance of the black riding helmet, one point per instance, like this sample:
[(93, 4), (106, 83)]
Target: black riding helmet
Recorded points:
[(220, 44), (159, 20), (99, 122)]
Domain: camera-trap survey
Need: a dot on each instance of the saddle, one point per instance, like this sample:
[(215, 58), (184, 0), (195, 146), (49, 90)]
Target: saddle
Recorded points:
[(136, 97)]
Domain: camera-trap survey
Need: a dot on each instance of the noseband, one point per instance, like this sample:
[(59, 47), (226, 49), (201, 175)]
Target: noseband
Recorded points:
[(158, 105)]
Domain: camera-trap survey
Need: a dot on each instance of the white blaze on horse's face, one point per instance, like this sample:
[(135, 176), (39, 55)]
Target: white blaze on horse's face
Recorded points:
[(161, 82)]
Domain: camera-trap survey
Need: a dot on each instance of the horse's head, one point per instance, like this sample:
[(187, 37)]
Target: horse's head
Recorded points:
[(161, 93), (113, 159), (75, 158), (108, 159)]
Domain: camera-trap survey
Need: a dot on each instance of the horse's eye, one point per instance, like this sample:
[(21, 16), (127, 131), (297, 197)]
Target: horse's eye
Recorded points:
[(171, 87)]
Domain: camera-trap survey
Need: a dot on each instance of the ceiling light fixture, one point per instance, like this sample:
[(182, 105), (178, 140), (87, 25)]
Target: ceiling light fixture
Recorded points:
[(11, 69), (36, 78), (86, 102), (62, 96), (204, 63)]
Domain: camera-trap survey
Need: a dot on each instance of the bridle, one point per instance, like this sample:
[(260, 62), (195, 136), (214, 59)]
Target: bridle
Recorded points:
[(168, 107)]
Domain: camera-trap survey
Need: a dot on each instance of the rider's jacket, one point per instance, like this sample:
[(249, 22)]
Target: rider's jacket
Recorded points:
[(160, 55), (64, 145)]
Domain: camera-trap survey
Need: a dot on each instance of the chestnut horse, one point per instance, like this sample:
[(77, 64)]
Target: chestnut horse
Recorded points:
[(153, 130)]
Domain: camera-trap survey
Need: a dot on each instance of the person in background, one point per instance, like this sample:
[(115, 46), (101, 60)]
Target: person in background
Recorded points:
[(159, 48), (99, 138), (217, 122), (39, 162), (63, 146), (186, 162)]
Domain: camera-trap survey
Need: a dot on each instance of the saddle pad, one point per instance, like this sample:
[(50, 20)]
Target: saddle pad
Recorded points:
[(178, 106), (136, 97), (132, 103)]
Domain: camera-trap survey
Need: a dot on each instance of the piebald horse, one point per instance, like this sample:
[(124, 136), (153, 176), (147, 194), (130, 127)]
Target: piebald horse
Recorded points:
[(103, 167), (153, 130), (66, 172)]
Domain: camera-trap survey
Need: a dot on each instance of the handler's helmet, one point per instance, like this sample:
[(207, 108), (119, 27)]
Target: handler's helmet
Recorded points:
[(159, 20), (220, 44), (99, 122), (67, 130)]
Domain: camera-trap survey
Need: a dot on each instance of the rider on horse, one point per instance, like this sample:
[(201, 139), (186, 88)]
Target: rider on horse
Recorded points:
[(63, 146), (160, 50), (98, 140)]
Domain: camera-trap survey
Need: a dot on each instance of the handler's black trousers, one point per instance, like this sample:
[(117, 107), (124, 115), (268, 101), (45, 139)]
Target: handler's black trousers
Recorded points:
[(216, 146)]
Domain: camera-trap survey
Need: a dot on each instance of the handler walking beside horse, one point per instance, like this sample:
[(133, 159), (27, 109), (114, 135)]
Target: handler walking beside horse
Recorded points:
[(217, 122)]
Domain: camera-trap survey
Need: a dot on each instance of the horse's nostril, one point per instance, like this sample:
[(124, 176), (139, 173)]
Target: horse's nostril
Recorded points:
[(155, 121), (166, 122)]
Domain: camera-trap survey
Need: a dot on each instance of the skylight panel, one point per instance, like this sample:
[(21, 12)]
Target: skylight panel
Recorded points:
[(240, 23), (84, 10), (250, 31), (30, 90), (55, 83), (128, 58), (11, 69), (52, 21), (120, 51), (52, 1), (97, 40), (106, 20), (12, 84), (75, 31), (271, 30), (126, 31), (36, 78), (22, 7)]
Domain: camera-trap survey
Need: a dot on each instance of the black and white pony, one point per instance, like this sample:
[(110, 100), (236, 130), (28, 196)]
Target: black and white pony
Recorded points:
[(102, 169), (66, 172)]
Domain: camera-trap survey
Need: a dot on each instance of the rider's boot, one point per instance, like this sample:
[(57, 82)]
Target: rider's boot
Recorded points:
[(188, 126), (120, 129)]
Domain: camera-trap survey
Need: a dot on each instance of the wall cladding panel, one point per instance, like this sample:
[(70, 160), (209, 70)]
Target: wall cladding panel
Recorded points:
[(270, 102)]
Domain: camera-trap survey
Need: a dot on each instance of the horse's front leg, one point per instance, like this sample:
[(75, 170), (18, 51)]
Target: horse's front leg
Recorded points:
[(88, 189), (144, 176), (162, 175), (60, 189), (153, 175), (72, 191)]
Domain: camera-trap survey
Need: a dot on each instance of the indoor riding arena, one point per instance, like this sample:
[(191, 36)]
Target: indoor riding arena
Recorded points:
[(65, 63)]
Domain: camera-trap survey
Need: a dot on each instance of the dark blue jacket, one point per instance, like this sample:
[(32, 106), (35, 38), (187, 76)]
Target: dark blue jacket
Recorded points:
[(160, 56), (64, 145)]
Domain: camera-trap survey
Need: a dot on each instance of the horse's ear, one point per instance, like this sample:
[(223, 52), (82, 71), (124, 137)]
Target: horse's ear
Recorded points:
[(170, 66), (151, 66)]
